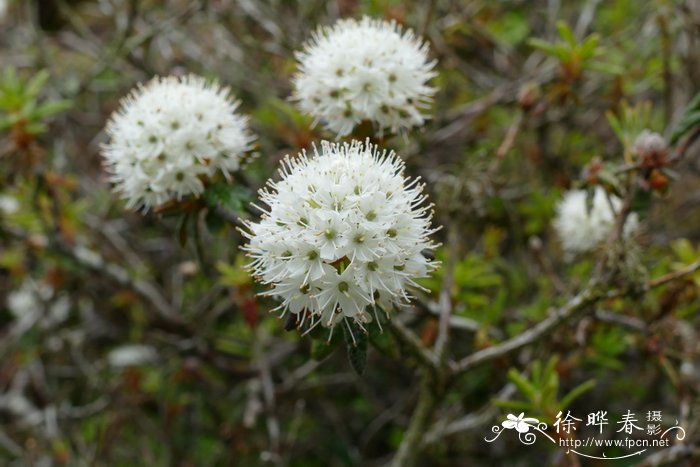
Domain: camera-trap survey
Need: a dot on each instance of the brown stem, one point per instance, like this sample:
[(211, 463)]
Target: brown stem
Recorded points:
[(407, 455)]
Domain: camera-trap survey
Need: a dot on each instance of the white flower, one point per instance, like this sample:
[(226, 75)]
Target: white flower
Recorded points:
[(344, 233), (131, 355), (364, 70), (580, 230), (8, 204), (649, 143), (172, 135), (37, 302)]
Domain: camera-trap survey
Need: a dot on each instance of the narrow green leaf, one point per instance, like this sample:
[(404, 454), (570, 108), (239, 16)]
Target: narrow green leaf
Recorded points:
[(357, 347), (576, 393), (687, 122), (214, 222), (36, 84), (515, 405), (544, 46), (566, 33), (523, 385), (615, 125), (51, 108), (320, 349), (182, 230)]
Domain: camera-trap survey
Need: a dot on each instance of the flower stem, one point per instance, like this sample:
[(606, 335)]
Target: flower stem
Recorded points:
[(407, 455)]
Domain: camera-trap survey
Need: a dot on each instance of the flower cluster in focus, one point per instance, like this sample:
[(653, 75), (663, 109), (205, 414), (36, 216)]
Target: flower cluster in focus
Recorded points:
[(344, 232), (172, 135), (364, 70), (580, 229)]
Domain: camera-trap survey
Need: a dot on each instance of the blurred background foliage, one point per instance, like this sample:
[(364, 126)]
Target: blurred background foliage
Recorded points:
[(140, 339)]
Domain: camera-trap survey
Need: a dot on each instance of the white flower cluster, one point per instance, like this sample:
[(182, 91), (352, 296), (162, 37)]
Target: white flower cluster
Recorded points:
[(649, 142), (172, 135), (345, 231), (581, 230), (36, 302), (364, 70), (132, 355), (8, 205)]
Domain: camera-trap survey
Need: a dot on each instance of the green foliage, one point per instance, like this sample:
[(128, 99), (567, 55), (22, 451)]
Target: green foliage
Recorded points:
[(573, 55), (20, 102), (630, 122), (511, 28), (689, 120), (607, 345), (541, 390), (356, 341), (687, 254), (233, 275), (226, 195)]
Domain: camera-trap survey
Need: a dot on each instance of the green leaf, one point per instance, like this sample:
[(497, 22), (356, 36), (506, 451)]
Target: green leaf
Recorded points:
[(610, 180), (515, 405), (607, 68), (685, 251), (576, 393), (51, 108), (641, 202), (5, 123), (589, 47), (321, 349), (590, 196), (615, 124), (384, 342), (689, 120), (544, 46), (36, 84), (511, 29), (549, 382), (356, 342), (234, 275), (214, 222), (35, 128), (566, 33), (182, 230), (222, 194), (523, 385)]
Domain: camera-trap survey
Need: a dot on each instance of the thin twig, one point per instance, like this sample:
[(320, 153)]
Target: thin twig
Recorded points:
[(9, 445), (672, 456), (446, 299), (406, 337), (229, 216), (629, 322), (268, 392), (427, 19), (508, 141), (443, 428), (577, 304), (124, 45), (456, 322), (672, 276), (93, 261), (407, 455)]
